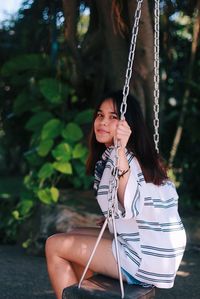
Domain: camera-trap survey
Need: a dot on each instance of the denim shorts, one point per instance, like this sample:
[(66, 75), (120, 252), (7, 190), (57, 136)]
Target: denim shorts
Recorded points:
[(132, 280)]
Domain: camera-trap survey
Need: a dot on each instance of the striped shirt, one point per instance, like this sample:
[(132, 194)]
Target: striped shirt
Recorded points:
[(151, 236)]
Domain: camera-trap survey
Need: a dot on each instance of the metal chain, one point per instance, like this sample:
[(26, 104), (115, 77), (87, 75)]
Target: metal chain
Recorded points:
[(114, 182), (156, 74), (131, 58), (112, 203)]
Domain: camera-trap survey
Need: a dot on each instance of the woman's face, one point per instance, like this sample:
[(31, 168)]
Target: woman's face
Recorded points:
[(105, 123)]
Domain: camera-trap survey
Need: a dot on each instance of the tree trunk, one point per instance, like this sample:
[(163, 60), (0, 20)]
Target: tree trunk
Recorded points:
[(115, 47), (101, 62), (142, 79)]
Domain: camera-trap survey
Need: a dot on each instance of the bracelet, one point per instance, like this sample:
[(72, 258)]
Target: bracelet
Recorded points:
[(121, 173)]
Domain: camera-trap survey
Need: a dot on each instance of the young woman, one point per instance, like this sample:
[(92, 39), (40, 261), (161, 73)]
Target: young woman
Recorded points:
[(151, 236)]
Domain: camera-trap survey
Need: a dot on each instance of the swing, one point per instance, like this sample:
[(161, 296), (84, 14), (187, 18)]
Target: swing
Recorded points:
[(114, 181)]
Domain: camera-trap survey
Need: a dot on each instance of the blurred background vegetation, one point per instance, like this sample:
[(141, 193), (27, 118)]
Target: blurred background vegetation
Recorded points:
[(57, 58)]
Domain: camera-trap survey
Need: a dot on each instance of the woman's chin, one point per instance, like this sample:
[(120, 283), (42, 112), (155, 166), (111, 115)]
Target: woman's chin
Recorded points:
[(105, 141)]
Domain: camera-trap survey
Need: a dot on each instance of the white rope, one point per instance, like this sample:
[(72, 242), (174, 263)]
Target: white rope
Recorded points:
[(93, 252)]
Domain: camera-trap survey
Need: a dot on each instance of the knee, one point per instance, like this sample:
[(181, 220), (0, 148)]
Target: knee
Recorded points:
[(58, 245), (50, 246)]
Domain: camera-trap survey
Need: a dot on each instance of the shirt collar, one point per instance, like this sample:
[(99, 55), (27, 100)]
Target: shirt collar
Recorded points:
[(107, 152)]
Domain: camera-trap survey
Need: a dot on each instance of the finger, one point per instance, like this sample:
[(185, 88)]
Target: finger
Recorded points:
[(123, 135), (124, 126), (123, 122), (123, 131)]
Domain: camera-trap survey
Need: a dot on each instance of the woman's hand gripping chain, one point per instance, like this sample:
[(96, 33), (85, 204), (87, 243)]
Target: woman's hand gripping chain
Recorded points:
[(123, 133)]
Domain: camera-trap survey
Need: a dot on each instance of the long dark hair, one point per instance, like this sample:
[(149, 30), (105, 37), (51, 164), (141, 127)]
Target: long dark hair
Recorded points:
[(140, 142)]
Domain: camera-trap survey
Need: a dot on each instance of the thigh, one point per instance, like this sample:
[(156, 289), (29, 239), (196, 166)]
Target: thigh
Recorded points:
[(91, 231), (78, 248)]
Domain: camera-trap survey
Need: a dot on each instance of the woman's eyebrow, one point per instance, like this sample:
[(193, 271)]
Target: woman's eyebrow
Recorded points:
[(111, 112)]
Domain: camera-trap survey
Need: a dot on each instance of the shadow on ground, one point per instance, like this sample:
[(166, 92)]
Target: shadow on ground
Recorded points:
[(22, 276), (187, 280)]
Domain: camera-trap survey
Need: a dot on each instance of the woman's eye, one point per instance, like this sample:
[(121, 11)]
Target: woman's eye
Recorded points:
[(113, 117), (99, 115)]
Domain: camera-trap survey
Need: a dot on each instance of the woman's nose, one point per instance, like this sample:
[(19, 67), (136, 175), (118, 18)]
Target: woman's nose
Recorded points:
[(104, 121)]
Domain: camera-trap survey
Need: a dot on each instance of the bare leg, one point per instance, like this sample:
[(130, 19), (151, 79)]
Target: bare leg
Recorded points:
[(78, 270), (89, 231), (67, 253)]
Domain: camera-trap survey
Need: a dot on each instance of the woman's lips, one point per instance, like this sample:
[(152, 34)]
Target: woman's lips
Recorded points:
[(101, 131)]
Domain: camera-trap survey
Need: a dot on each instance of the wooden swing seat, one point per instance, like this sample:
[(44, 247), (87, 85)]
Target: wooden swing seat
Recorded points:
[(103, 287)]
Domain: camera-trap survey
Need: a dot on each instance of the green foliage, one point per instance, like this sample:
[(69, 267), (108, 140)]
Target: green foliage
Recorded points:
[(44, 147), (84, 117), (72, 132), (45, 171), (56, 151), (53, 90), (62, 152), (21, 104), (22, 63), (9, 191), (48, 195), (37, 120), (79, 151), (51, 129)]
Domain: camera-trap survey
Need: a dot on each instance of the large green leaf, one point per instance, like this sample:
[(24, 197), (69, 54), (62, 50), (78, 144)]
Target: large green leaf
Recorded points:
[(38, 120), (84, 117), (35, 138), (62, 152), (51, 129), (33, 157), (16, 215), (23, 209), (63, 167), (72, 132), (25, 206), (80, 178), (30, 183), (22, 63), (46, 171), (22, 103), (44, 147), (54, 194), (53, 90), (79, 151), (45, 196), (79, 168)]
